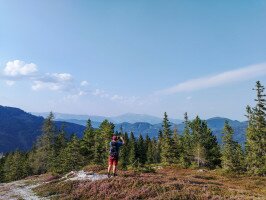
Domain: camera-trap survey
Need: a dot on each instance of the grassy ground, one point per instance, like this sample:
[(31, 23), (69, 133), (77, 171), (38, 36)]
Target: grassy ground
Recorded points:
[(163, 184)]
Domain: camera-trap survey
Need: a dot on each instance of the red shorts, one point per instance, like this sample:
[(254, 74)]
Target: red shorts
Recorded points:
[(113, 161)]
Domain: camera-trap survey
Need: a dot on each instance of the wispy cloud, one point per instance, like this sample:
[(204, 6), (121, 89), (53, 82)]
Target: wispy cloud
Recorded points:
[(54, 81), (129, 100), (241, 74)]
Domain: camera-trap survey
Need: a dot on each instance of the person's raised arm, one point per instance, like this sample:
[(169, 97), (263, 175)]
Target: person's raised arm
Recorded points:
[(123, 141)]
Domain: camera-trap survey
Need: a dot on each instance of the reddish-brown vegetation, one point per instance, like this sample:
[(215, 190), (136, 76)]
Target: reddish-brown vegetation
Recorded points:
[(168, 183)]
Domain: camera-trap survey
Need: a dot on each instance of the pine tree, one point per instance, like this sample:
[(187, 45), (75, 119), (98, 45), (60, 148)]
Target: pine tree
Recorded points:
[(8, 172), (88, 142), (99, 151), (124, 152), (132, 149), (159, 147), (151, 151), (204, 144), (167, 152), (186, 141), (256, 134), (176, 146), (232, 154), (141, 154), (60, 141), (71, 157), (15, 166), (106, 131), (60, 144), (212, 148), (44, 154)]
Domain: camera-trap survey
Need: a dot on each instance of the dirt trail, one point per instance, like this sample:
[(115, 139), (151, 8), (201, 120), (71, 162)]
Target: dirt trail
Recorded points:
[(18, 190), (23, 189)]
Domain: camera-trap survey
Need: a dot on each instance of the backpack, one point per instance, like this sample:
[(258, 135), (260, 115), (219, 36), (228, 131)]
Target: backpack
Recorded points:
[(113, 150)]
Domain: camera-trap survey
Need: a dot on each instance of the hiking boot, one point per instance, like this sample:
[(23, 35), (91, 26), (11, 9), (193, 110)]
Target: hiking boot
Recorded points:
[(115, 174), (109, 175)]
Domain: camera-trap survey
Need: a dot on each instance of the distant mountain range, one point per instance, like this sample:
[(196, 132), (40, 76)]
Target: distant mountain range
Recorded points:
[(151, 125), (19, 129), (128, 117), (215, 124)]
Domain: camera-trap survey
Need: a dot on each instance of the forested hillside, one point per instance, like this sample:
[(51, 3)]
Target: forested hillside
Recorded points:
[(19, 129)]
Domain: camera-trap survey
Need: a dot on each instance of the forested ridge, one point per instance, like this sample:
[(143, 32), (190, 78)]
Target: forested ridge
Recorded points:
[(195, 147)]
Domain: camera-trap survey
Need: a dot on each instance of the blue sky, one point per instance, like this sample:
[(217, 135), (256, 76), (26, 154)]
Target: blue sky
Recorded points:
[(114, 57)]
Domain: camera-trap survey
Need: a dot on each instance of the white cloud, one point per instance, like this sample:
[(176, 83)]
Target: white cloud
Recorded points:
[(54, 82), (75, 96), (10, 83), (100, 93), (62, 77), (18, 68), (40, 85), (241, 74), (84, 83)]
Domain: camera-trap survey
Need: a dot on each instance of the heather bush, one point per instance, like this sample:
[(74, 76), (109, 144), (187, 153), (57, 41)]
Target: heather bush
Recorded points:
[(94, 168)]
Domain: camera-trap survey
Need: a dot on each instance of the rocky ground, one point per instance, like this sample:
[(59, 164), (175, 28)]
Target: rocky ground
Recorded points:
[(23, 189)]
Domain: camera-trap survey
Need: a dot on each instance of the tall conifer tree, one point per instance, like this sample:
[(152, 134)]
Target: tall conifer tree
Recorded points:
[(256, 134), (232, 155), (167, 152), (43, 157), (88, 142), (132, 149)]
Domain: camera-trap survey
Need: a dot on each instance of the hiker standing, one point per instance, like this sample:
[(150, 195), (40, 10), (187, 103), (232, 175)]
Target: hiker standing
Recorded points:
[(114, 154)]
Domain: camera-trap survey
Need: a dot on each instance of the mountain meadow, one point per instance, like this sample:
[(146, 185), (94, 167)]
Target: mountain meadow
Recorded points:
[(198, 159)]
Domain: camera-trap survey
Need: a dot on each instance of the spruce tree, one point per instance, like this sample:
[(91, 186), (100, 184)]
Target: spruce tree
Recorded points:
[(159, 147), (256, 134), (15, 166), (211, 146), (141, 154), (88, 142), (186, 144), (132, 149), (124, 152), (151, 151), (176, 146), (205, 147), (60, 143), (148, 148), (100, 150), (106, 131), (42, 160), (71, 158), (167, 152), (232, 154)]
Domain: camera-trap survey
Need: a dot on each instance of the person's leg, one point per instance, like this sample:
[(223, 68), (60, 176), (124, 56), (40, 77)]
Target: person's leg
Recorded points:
[(115, 167), (110, 164), (109, 168)]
